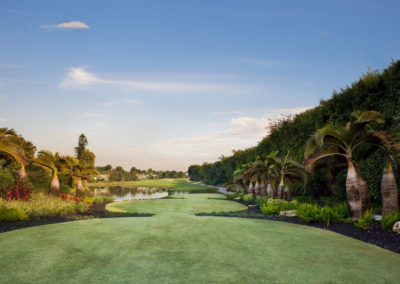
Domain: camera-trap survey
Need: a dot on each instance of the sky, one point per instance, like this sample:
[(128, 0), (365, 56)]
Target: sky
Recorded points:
[(167, 84)]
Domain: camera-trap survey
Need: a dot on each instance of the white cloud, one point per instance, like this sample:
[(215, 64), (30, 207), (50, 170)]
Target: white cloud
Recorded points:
[(87, 114), (80, 77), (228, 112), (72, 25), (118, 102), (241, 132)]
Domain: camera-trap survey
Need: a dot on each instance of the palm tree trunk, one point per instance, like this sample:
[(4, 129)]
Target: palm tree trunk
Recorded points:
[(281, 191), (257, 189), (22, 173), (389, 191), (353, 191), (55, 184), (270, 190), (287, 194), (250, 189), (79, 187), (262, 189), (365, 196)]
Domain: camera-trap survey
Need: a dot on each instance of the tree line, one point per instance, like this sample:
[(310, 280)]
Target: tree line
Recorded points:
[(374, 91)]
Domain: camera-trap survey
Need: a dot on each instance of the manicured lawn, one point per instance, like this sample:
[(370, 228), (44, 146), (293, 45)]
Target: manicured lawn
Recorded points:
[(173, 184), (175, 246)]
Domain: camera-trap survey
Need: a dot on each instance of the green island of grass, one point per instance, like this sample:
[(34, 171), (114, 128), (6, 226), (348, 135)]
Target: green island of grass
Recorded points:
[(175, 246)]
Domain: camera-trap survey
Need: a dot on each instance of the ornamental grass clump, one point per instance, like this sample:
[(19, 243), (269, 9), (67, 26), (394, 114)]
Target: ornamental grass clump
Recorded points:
[(248, 198), (388, 220), (12, 214), (326, 215), (275, 206), (44, 205), (366, 219)]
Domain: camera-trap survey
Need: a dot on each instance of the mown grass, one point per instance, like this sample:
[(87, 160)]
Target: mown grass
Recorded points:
[(176, 246), (172, 184)]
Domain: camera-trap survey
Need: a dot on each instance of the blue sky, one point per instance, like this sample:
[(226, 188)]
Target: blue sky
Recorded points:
[(166, 84)]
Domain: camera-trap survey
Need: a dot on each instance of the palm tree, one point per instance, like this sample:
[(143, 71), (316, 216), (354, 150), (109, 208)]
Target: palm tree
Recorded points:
[(345, 141), (272, 174), (52, 162), (9, 146), (78, 170), (288, 172)]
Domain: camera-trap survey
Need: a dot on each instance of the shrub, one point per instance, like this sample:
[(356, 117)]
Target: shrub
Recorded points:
[(326, 215), (231, 196), (261, 200), (366, 219), (101, 199), (12, 214), (274, 206), (6, 178), (388, 220), (21, 190), (42, 205), (248, 197), (81, 207)]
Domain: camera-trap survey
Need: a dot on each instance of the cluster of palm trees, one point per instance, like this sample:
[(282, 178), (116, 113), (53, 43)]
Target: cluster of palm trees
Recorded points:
[(350, 145), (22, 152), (260, 177), (332, 147)]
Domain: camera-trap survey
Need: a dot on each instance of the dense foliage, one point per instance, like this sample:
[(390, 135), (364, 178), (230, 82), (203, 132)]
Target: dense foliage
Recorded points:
[(379, 91)]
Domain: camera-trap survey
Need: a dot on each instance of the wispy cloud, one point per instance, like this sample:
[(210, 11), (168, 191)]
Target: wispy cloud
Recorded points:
[(262, 62), (72, 25), (321, 32), (228, 112), (3, 119), (87, 114), (119, 102), (11, 66), (80, 77)]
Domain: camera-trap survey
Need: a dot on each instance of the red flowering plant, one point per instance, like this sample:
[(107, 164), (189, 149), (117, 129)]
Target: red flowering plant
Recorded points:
[(73, 198), (21, 190)]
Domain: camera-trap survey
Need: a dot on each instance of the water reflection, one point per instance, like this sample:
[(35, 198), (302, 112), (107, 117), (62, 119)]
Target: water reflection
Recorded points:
[(121, 193)]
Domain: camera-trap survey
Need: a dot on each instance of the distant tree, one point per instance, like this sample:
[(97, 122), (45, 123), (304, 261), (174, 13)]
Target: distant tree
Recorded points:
[(80, 149)]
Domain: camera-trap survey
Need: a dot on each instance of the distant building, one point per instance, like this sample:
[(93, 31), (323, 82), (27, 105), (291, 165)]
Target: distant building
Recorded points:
[(102, 177)]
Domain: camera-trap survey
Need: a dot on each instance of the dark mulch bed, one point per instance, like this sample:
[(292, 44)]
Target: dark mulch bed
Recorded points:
[(97, 210), (375, 235)]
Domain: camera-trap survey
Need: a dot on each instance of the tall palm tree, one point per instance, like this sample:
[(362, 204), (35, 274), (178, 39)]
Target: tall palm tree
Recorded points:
[(345, 141), (52, 162)]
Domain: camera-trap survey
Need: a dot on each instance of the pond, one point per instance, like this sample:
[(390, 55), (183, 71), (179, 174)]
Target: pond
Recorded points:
[(123, 193)]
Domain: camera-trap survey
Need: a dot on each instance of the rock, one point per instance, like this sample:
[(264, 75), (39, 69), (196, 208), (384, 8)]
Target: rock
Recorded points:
[(396, 227), (288, 213)]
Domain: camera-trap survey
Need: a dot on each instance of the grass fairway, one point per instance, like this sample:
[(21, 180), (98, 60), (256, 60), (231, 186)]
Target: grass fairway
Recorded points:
[(177, 247), (173, 184)]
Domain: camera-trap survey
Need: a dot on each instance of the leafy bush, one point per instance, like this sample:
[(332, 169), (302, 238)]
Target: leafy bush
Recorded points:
[(274, 206), (248, 198), (12, 214), (232, 196), (43, 205), (81, 207), (260, 201), (326, 215), (21, 190), (101, 199), (388, 220), (366, 219)]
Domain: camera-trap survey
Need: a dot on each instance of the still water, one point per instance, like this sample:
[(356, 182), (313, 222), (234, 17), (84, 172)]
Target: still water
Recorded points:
[(121, 193)]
